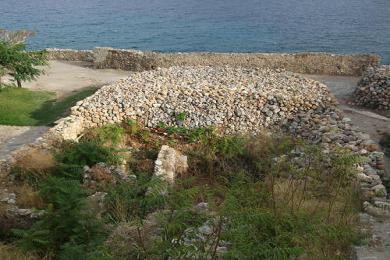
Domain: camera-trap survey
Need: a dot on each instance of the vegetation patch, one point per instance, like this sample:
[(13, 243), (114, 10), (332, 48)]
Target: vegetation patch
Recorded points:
[(23, 107), (243, 197)]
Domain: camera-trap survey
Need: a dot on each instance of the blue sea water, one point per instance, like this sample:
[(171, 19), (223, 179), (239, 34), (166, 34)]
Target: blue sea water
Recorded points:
[(340, 26)]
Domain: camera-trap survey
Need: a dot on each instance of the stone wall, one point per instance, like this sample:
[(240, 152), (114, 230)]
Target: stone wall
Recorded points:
[(308, 63), (71, 55), (234, 99), (373, 89)]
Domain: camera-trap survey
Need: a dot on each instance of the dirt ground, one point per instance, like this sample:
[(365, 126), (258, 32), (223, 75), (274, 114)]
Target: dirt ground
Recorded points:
[(67, 77)]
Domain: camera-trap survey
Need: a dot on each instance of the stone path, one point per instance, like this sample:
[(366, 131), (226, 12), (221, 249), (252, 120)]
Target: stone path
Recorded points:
[(14, 137), (378, 247)]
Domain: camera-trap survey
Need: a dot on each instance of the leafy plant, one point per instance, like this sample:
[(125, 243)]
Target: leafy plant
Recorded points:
[(110, 133), (268, 197), (74, 156), (20, 64), (181, 116), (133, 200), (133, 127), (65, 224)]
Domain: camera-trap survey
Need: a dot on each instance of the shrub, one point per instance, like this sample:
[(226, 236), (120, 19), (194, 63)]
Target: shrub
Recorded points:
[(158, 235), (269, 197), (74, 156), (33, 166), (111, 133), (181, 116), (20, 64), (28, 197), (177, 224), (133, 200), (30, 176), (11, 252), (280, 197), (65, 224), (132, 127), (87, 152)]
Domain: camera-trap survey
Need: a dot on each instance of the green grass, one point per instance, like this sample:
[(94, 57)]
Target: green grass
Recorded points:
[(21, 107)]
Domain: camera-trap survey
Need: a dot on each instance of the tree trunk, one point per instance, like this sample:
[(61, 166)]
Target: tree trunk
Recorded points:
[(19, 83)]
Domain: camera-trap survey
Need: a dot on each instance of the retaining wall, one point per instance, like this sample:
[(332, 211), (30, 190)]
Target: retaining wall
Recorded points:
[(308, 63)]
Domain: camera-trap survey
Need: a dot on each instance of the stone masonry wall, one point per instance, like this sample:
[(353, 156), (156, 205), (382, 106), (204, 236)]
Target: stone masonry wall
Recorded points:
[(71, 55), (373, 89), (309, 63)]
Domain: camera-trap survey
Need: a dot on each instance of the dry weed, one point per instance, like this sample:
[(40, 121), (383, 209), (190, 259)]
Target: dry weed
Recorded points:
[(28, 197), (9, 252), (35, 159)]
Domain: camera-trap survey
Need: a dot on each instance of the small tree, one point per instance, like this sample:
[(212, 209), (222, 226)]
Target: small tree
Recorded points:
[(15, 60), (19, 63)]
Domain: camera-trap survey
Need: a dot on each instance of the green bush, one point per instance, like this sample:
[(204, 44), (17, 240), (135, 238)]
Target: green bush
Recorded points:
[(135, 199), (269, 197), (19, 63), (65, 225), (74, 156), (181, 116), (110, 133), (132, 127)]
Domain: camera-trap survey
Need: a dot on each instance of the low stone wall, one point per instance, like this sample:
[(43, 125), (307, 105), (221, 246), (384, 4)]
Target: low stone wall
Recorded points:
[(373, 89), (71, 55), (235, 99), (308, 63)]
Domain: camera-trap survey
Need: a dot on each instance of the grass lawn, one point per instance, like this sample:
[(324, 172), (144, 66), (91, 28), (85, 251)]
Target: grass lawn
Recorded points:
[(19, 106)]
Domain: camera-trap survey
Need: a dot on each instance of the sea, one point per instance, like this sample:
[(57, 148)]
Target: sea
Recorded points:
[(337, 26)]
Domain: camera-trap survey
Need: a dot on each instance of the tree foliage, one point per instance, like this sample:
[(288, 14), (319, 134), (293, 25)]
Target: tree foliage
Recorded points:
[(66, 228), (20, 64)]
